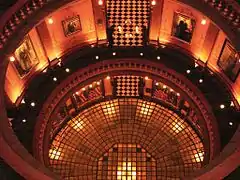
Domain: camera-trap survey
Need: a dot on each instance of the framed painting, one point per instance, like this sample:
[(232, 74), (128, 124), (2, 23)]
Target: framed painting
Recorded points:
[(183, 27), (229, 61), (26, 57), (71, 25)]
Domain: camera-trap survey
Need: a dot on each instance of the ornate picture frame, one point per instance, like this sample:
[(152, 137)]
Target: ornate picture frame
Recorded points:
[(183, 27), (71, 25), (26, 57), (229, 61)]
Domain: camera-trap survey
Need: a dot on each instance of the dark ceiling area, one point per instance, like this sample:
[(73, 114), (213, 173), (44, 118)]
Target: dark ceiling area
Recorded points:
[(5, 4)]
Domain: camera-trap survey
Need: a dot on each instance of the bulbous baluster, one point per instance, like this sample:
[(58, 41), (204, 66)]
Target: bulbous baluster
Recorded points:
[(12, 25), (16, 19), (22, 14), (28, 9), (219, 6), (3, 38), (231, 16), (236, 21), (226, 11)]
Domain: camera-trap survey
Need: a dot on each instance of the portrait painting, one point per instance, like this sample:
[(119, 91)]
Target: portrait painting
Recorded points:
[(183, 27), (229, 61), (71, 25), (26, 57)]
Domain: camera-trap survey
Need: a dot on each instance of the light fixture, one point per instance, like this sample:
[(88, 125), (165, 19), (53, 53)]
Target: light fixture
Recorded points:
[(158, 57), (50, 21), (23, 101), (98, 83), (100, 2), (96, 57), (141, 54), (230, 123), (200, 80), (188, 71), (90, 86), (146, 78), (33, 104), (204, 21), (171, 90), (222, 106), (45, 70), (114, 53), (196, 65), (92, 46), (77, 93), (12, 58), (232, 104), (153, 3), (164, 86), (54, 79), (67, 70), (157, 84), (178, 94), (83, 89), (108, 77), (24, 120)]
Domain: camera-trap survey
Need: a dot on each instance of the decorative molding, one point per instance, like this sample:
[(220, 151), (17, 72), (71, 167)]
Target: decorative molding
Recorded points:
[(122, 65), (228, 10)]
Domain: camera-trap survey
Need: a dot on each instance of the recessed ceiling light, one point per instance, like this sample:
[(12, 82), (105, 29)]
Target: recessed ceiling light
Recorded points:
[(230, 123), (12, 58), (83, 89), (67, 70), (90, 86), (77, 93), (96, 57), (222, 106), (141, 54), (157, 84), (200, 80), (153, 3), (100, 2), (50, 21), (188, 71), (158, 57), (114, 53), (54, 79), (196, 65), (23, 101), (24, 120), (33, 104), (204, 21)]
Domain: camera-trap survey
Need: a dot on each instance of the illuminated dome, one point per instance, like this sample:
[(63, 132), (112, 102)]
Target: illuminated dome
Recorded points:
[(123, 90)]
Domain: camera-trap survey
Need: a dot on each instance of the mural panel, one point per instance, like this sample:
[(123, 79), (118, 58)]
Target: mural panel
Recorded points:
[(183, 27), (229, 61), (26, 57), (71, 25)]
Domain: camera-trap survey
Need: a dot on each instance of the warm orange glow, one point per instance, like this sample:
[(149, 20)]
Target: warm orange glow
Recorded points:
[(100, 2), (50, 21), (12, 58), (54, 154), (204, 21), (153, 2)]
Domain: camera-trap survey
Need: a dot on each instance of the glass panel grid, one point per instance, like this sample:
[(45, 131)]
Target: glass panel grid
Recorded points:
[(99, 130)]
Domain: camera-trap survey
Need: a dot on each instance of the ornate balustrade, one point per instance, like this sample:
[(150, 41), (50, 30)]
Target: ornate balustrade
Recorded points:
[(228, 9)]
